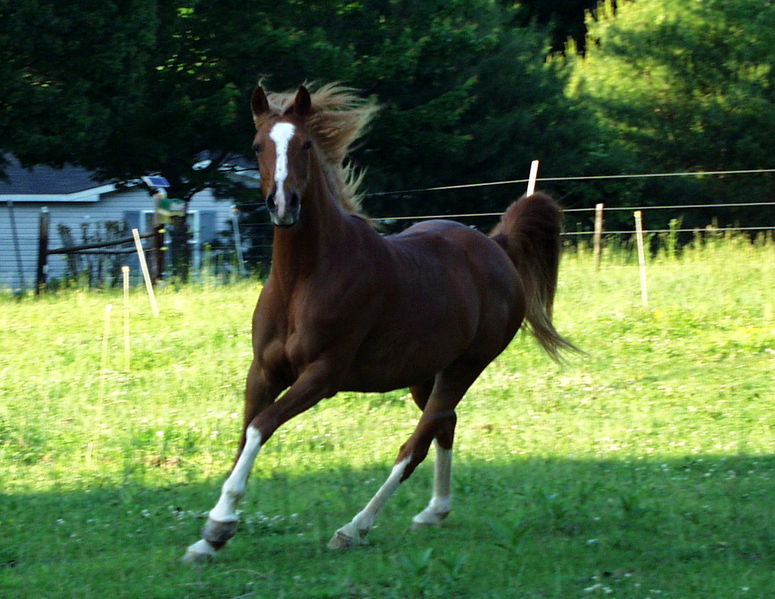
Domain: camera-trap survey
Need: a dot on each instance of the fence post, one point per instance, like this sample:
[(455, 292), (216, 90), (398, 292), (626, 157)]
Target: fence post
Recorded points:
[(237, 240), (127, 344), (531, 182), (42, 269), (644, 294), (598, 237), (144, 268)]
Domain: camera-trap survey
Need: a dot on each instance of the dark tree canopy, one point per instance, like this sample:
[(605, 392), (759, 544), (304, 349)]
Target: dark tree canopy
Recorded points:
[(464, 94), (471, 90), (684, 87)]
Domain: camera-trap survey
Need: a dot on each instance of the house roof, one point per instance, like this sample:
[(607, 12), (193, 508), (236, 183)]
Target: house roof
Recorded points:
[(75, 184), (47, 184), (45, 180)]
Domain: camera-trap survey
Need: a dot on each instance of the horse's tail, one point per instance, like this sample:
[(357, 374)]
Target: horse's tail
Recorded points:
[(529, 231)]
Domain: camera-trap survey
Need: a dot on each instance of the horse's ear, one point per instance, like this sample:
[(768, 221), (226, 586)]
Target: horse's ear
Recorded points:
[(302, 103), (258, 102)]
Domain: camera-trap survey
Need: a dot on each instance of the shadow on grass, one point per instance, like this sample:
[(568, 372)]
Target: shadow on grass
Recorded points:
[(699, 526)]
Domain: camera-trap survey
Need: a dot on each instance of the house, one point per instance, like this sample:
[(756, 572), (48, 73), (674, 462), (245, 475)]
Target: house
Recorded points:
[(76, 203)]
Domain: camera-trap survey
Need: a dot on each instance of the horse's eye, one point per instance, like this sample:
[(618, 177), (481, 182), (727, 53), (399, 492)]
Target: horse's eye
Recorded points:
[(307, 145), (257, 148)]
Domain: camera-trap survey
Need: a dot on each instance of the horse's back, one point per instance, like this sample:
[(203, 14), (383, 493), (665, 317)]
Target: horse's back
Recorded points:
[(459, 251)]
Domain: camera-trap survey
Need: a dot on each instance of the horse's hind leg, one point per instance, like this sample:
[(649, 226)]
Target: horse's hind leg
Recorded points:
[(440, 504), (437, 421), (441, 501)]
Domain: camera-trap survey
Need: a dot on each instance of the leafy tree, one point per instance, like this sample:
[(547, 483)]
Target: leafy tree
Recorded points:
[(466, 96), (564, 19), (67, 69), (684, 87)]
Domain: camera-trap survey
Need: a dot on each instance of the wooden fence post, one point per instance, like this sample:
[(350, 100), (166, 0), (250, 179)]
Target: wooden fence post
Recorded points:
[(144, 268), (127, 344), (644, 294), (238, 241), (531, 182), (598, 237), (42, 269)]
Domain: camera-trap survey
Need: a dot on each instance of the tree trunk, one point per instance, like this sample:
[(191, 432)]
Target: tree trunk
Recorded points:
[(181, 256)]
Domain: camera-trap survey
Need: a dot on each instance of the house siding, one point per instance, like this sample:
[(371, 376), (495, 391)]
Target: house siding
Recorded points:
[(18, 269)]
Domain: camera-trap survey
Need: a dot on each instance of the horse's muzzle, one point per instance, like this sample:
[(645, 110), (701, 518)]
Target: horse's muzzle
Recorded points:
[(284, 211)]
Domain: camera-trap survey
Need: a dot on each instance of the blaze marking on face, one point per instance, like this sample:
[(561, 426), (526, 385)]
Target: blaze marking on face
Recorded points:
[(281, 134)]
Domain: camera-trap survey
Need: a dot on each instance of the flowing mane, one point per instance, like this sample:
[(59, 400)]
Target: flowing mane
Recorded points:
[(339, 117)]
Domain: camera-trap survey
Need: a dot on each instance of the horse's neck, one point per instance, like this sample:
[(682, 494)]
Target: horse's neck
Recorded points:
[(299, 251)]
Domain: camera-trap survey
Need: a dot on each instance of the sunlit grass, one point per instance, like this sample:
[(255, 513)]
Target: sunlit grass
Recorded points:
[(643, 470)]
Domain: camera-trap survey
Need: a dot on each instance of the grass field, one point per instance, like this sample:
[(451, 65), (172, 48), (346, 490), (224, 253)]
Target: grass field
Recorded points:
[(646, 470)]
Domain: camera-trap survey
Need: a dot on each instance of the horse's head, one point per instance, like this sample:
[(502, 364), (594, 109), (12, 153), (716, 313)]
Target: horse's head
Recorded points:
[(283, 147)]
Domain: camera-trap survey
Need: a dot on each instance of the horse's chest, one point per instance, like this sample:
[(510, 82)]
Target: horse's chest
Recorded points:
[(307, 333)]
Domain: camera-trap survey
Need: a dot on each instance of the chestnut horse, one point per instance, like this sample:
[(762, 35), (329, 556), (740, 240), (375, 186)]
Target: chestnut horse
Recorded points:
[(347, 309)]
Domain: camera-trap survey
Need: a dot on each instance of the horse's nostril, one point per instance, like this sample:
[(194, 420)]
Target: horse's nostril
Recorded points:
[(295, 200), (270, 203)]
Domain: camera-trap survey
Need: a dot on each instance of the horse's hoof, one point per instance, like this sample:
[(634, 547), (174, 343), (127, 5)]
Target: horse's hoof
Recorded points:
[(341, 541), (200, 552), (217, 533), (428, 520)]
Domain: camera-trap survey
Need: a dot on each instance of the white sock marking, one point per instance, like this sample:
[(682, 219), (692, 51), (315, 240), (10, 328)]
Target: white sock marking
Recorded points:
[(281, 135), (234, 488), (201, 547), (359, 526), (441, 502)]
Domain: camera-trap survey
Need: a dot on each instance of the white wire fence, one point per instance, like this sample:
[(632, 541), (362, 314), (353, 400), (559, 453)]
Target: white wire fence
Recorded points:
[(588, 178), (578, 178)]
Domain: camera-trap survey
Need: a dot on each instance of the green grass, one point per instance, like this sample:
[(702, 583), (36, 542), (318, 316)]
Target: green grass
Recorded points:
[(644, 470)]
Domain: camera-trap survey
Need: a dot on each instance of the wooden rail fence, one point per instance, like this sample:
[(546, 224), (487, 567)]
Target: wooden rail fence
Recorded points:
[(102, 248)]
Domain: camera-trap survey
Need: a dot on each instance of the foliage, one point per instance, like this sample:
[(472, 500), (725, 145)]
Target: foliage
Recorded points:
[(156, 101), (643, 470), (67, 70), (476, 103), (684, 87), (470, 92), (563, 18)]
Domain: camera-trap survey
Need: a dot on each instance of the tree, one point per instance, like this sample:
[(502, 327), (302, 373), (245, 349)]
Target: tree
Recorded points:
[(684, 87), (564, 19), (465, 95), (67, 69)]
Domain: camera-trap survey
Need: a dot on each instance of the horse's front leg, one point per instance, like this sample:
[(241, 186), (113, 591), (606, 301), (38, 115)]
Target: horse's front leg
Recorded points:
[(221, 525), (222, 519)]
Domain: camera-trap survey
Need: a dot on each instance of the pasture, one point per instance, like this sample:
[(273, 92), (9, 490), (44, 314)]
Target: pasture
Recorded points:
[(645, 470)]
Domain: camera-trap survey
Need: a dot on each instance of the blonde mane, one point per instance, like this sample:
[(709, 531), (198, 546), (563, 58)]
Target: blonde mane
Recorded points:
[(339, 117)]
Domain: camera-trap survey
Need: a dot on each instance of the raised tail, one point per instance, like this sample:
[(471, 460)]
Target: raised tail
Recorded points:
[(529, 231)]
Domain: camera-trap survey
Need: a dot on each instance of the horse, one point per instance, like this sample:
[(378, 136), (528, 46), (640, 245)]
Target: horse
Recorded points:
[(347, 309)]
